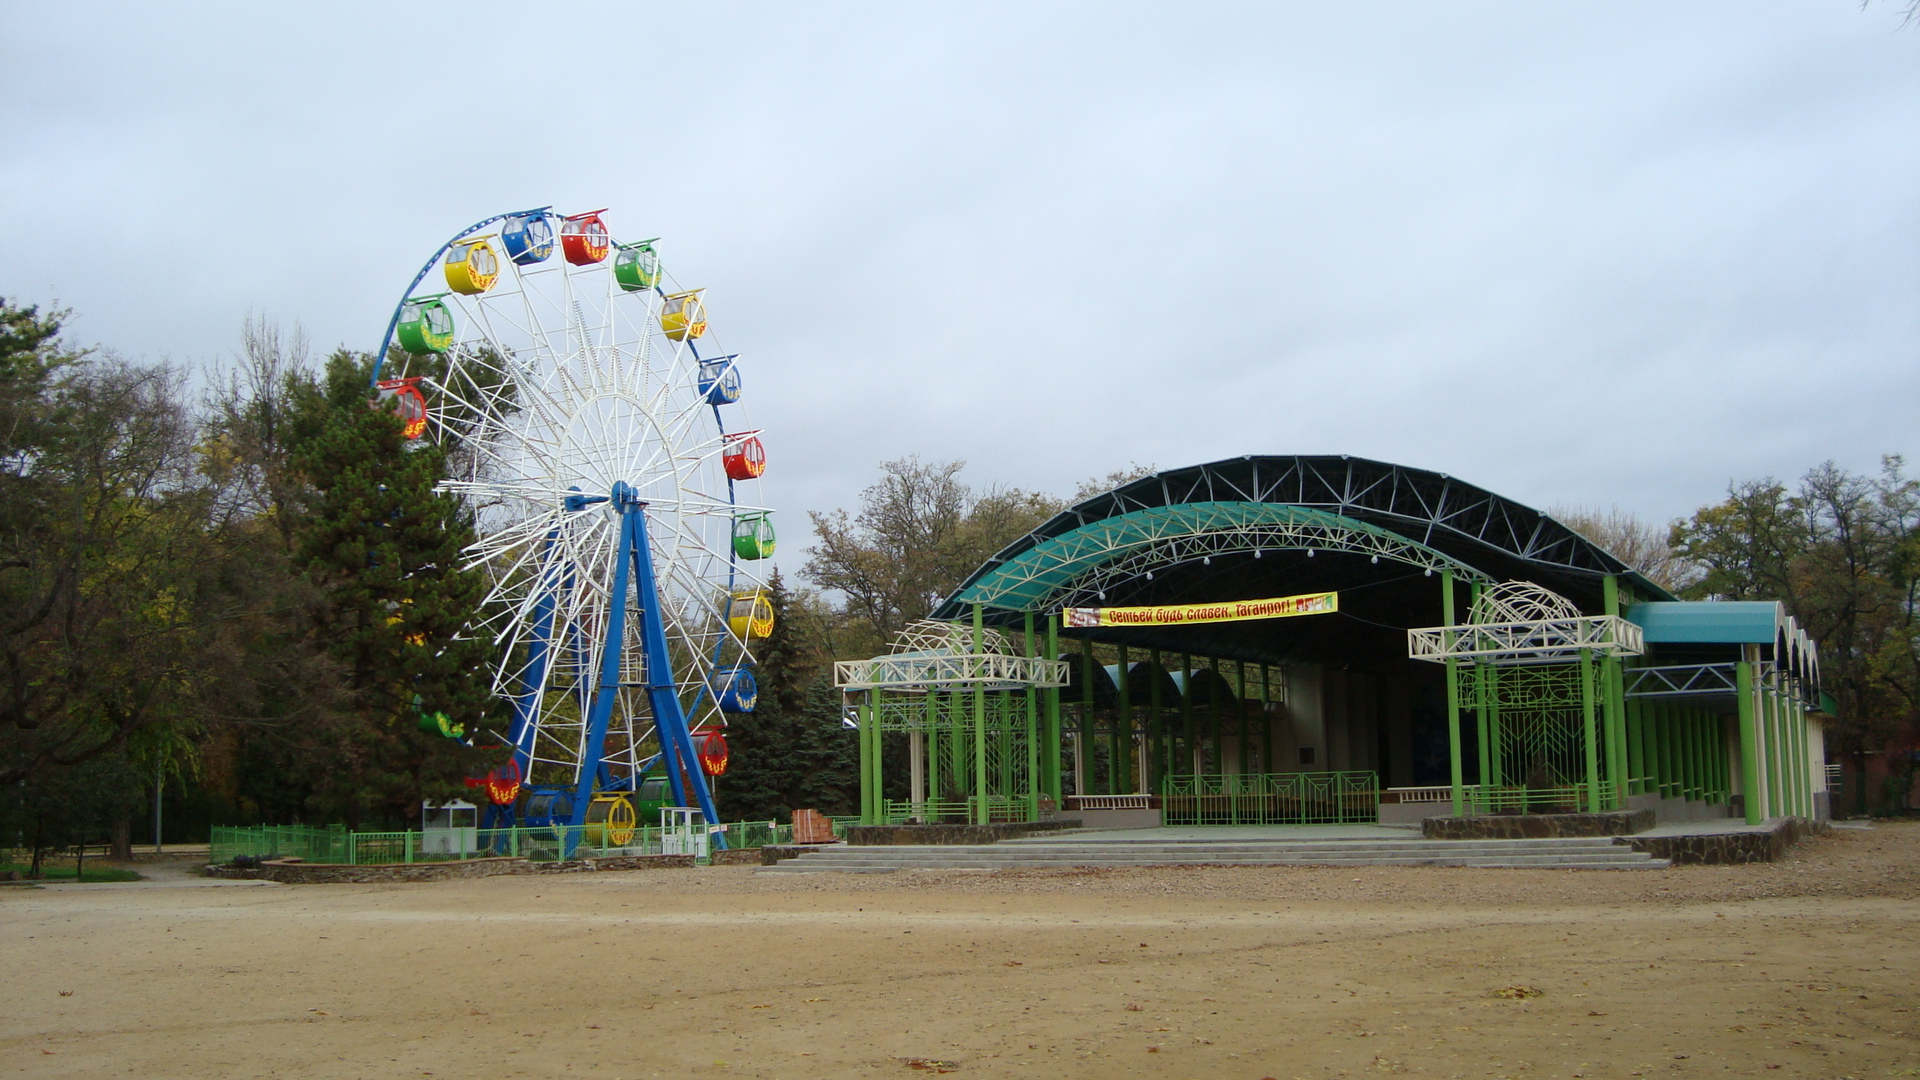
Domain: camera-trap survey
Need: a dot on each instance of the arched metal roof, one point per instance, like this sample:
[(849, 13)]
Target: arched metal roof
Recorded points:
[(1194, 534)]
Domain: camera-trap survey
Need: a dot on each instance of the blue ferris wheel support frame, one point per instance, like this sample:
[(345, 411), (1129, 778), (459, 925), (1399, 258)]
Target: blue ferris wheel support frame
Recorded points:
[(633, 568)]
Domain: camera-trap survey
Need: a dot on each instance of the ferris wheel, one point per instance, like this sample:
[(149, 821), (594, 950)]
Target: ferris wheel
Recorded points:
[(597, 435)]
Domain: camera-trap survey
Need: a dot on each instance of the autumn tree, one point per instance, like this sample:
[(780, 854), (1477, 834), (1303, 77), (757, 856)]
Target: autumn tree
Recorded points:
[(919, 532)]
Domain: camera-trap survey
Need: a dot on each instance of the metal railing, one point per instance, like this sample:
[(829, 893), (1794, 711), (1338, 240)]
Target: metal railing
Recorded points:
[(1000, 808), (335, 845), (1330, 798), (1110, 802)]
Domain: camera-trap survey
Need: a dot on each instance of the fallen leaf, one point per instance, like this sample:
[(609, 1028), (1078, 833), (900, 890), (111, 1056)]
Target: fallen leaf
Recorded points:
[(1153, 1049)]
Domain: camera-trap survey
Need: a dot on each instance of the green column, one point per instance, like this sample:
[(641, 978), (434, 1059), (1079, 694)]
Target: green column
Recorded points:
[(1592, 734), (1453, 697), (1476, 675), (1770, 739), (1616, 702), (1266, 718), (1213, 713), (1033, 735), (1188, 732), (1749, 742), (1240, 714), (931, 722), (1636, 747), (1156, 727), (1081, 739), (1496, 766), (869, 791), (1051, 742), (981, 815), (1116, 729)]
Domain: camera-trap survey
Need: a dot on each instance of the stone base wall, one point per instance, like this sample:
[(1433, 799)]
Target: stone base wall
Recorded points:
[(290, 872), (1536, 826), (882, 835), (774, 853), (1725, 848)]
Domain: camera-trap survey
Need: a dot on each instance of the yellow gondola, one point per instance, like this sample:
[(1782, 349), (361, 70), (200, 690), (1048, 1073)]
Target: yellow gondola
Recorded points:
[(684, 315), (750, 614), (472, 267)]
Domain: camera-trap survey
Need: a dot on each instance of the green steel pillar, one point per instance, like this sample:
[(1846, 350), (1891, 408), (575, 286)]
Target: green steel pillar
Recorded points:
[(1495, 763), (1453, 697), (1240, 713), (1082, 742), (1051, 742), (1613, 689), (1190, 763), (1156, 727), (1636, 749), (1033, 736), (931, 723), (1085, 721), (869, 765), (1749, 742), (1213, 714), (1770, 739), (1616, 701), (1592, 735), (1476, 675), (981, 814), (1266, 718), (1123, 721)]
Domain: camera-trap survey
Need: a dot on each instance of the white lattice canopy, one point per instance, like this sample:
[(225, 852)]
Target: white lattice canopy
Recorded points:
[(1520, 602), (1519, 622)]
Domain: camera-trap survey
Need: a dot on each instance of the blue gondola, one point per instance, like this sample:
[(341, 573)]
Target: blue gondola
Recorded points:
[(528, 237), (720, 379), (735, 689)]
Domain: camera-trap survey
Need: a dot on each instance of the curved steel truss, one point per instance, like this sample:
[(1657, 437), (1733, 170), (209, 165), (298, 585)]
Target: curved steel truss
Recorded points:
[(1497, 538), (1078, 565)]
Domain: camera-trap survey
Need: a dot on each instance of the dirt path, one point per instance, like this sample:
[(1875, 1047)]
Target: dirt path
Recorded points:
[(1801, 969)]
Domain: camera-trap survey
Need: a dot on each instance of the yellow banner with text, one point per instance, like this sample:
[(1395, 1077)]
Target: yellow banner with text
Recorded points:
[(1280, 607)]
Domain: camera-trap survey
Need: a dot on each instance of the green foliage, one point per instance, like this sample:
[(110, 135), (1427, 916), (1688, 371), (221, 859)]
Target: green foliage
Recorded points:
[(383, 549), (791, 751), (919, 533), (109, 612), (1842, 551)]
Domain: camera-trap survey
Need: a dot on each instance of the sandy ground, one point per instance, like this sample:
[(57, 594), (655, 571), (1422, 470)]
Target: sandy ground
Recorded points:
[(1805, 968)]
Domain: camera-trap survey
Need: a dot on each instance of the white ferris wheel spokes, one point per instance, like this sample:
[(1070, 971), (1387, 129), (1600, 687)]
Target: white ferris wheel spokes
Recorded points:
[(570, 391)]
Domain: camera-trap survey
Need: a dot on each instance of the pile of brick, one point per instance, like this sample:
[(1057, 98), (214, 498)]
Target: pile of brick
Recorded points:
[(812, 827)]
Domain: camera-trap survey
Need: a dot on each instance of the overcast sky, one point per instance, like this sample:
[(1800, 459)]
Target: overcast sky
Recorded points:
[(1580, 253)]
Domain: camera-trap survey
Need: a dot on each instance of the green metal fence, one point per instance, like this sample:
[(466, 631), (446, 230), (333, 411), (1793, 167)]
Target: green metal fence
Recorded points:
[(1000, 808), (1329, 798), (335, 844)]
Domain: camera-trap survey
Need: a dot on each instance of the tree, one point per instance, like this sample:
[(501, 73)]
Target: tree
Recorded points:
[(919, 532), (384, 549), (791, 751), (1640, 544), (110, 610), (1842, 552)]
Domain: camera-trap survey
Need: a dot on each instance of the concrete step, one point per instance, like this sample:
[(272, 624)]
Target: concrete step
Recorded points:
[(1555, 853)]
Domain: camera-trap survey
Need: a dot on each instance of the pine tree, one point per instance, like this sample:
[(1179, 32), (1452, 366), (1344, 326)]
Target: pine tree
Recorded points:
[(762, 773), (384, 548)]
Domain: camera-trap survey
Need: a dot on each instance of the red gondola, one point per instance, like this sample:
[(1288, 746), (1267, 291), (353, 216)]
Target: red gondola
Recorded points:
[(402, 396), (713, 753), (745, 457), (584, 238)]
